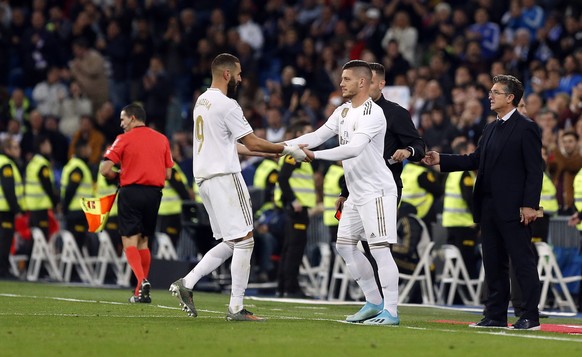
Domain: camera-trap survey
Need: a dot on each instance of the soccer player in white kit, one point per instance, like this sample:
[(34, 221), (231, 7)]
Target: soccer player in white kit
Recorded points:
[(369, 213), (218, 124)]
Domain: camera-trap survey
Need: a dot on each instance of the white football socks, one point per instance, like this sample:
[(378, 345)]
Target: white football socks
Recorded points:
[(211, 260), (388, 274), (360, 269), (240, 270)]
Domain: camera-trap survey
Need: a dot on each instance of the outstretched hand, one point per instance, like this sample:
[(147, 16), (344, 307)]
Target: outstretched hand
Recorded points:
[(308, 153), (296, 152), (431, 158)]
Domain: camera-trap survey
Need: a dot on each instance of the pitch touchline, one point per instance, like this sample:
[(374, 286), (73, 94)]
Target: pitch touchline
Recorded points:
[(503, 334)]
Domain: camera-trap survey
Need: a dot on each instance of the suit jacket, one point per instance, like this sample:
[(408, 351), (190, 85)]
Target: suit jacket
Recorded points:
[(400, 133), (515, 173)]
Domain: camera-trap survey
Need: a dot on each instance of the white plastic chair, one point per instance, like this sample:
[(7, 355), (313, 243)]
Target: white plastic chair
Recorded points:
[(550, 276), (421, 274), (317, 276), (71, 257), (455, 275), (166, 248), (42, 256)]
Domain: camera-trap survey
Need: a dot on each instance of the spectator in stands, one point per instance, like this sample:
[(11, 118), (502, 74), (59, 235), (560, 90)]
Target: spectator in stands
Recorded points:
[(73, 107), (50, 93), (19, 107), (106, 122), (249, 31), (40, 50), (59, 142), (405, 34), (571, 75), (157, 91), (30, 136), (565, 161), (117, 51), (142, 50), (534, 103), (486, 32), (88, 69), (94, 138)]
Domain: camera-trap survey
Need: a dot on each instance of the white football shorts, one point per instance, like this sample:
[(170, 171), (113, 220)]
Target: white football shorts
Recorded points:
[(228, 203), (374, 221)]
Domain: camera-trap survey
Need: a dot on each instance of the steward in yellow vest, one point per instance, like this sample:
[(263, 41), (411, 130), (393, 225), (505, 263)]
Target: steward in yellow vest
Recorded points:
[(11, 201), (540, 228), (175, 191), (295, 192), (457, 212), (77, 182), (421, 188), (39, 188), (269, 220)]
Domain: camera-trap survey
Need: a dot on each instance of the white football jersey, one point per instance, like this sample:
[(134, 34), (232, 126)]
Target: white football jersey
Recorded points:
[(218, 124), (366, 175)]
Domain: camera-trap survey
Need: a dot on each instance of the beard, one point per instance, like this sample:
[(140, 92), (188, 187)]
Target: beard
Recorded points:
[(231, 88)]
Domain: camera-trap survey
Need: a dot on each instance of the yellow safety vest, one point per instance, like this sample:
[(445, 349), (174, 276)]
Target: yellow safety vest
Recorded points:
[(456, 212), (412, 192), (34, 196), (262, 175), (103, 188), (331, 191), (548, 199), (301, 181), (171, 202), (196, 189), (18, 186), (86, 186), (578, 195)]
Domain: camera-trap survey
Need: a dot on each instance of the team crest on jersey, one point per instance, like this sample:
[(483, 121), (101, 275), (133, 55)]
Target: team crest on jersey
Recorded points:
[(345, 112)]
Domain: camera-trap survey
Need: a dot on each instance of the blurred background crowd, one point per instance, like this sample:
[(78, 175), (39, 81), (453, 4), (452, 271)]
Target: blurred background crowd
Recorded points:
[(68, 67)]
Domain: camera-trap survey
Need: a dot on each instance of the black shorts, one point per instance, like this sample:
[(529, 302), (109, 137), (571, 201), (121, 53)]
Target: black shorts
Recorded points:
[(138, 209)]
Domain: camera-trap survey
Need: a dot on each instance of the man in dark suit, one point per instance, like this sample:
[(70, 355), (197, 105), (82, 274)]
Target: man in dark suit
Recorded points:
[(506, 197)]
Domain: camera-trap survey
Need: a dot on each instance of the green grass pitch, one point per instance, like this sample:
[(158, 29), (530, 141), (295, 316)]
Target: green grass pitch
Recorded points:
[(39, 319)]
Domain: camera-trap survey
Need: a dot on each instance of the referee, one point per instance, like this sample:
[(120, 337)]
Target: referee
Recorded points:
[(146, 162)]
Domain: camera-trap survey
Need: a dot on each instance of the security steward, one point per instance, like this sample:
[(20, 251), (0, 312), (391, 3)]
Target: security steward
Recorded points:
[(462, 232), (421, 187), (77, 182), (39, 189), (175, 191), (295, 192), (11, 201)]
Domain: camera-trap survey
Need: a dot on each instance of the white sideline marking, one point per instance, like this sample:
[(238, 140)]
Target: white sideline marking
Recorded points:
[(519, 334)]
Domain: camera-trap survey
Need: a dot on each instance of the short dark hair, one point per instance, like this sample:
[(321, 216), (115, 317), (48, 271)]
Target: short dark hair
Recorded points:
[(378, 68), (360, 65), (224, 60), (512, 86), (136, 111), (571, 133)]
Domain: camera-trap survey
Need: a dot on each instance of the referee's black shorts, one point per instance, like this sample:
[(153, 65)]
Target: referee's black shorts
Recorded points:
[(138, 209)]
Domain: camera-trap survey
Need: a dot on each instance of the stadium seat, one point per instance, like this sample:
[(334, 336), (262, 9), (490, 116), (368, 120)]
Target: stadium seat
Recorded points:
[(106, 256), (42, 256), (421, 274), (317, 276), (455, 275), (71, 257), (550, 276), (165, 247)]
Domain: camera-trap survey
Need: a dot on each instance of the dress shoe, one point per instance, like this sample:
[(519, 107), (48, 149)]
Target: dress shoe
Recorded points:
[(526, 324), (489, 323)]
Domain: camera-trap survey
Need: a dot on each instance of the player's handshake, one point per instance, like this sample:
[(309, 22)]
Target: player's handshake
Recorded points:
[(296, 152)]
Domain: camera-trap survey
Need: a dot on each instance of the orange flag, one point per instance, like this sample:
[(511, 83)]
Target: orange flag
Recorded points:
[(97, 211)]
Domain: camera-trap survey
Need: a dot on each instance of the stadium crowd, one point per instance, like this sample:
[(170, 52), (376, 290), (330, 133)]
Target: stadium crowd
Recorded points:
[(68, 67)]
